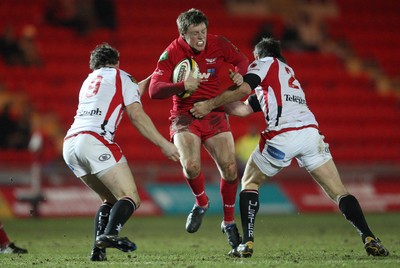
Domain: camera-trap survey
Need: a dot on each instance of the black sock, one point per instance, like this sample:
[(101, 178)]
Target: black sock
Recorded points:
[(249, 206), (352, 211), (101, 219), (120, 213)]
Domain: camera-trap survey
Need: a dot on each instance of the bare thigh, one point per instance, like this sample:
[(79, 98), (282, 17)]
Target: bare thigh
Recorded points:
[(221, 147), (96, 185), (118, 182), (189, 146), (327, 176), (252, 177)]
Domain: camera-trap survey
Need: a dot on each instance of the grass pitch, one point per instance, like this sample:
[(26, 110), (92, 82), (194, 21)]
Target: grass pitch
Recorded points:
[(303, 240)]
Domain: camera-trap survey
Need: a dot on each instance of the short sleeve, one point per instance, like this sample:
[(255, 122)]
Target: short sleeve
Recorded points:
[(130, 90)]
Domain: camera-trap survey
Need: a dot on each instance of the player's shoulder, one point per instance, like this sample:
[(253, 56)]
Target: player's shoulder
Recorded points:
[(175, 46), (222, 42), (269, 60), (126, 76), (173, 53), (220, 39), (259, 65)]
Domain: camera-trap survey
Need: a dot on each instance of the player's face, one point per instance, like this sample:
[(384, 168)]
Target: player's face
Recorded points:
[(196, 36)]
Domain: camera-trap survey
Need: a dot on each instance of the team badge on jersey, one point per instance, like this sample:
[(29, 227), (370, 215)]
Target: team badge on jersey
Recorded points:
[(104, 157), (253, 65), (163, 56)]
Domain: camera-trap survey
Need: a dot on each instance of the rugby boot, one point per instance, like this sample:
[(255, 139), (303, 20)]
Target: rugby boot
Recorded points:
[(374, 247), (98, 254), (114, 241), (12, 248), (245, 250), (232, 233), (234, 253), (195, 218)]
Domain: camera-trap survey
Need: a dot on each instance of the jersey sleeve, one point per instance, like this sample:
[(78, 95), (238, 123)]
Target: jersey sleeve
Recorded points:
[(165, 66), (254, 103), (259, 68), (252, 79), (130, 90), (161, 86)]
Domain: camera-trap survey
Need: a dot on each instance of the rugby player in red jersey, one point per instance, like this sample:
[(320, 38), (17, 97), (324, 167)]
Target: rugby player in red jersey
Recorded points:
[(211, 52)]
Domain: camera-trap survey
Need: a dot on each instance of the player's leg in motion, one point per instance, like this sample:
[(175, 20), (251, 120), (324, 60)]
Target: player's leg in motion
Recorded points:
[(228, 191), (189, 146), (119, 215), (195, 217), (100, 223), (116, 185), (328, 177), (249, 205), (221, 148), (6, 246)]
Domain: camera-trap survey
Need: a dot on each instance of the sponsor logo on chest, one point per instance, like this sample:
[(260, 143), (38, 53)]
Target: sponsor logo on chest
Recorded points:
[(92, 112), (294, 98)]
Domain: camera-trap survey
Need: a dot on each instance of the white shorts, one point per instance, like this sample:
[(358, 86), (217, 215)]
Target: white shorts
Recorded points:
[(89, 153), (306, 145)]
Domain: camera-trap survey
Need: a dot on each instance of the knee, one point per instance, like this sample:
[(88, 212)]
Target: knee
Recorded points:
[(251, 183), (191, 169), (133, 196), (137, 202), (229, 171), (336, 194)]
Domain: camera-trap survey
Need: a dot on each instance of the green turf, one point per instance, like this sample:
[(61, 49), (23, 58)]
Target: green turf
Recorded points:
[(305, 240)]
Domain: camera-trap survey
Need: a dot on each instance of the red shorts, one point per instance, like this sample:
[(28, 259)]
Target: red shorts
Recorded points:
[(206, 127)]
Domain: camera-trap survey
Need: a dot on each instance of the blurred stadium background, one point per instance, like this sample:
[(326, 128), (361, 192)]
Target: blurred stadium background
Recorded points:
[(347, 62)]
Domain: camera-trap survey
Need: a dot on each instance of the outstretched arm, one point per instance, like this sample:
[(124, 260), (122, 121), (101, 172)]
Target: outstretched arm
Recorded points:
[(238, 108), (144, 85), (234, 93), (145, 126)]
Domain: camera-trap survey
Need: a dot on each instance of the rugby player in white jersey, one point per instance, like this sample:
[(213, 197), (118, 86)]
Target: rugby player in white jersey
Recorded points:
[(291, 132), (93, 156)]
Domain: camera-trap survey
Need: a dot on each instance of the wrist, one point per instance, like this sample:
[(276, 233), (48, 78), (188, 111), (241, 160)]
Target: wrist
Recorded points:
[(211, 104)]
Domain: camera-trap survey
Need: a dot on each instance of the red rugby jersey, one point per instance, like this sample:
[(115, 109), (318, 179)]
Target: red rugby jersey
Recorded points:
[(218, 52)]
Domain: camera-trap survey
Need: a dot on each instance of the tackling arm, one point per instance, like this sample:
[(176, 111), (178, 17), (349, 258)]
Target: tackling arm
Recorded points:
[(234, 93), (145, 126), (144, 85), (238, 108), (242, 109)]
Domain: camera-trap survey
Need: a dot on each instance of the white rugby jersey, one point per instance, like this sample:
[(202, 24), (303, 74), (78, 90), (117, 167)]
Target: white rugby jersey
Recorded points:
[(102, 98), (280, 95)]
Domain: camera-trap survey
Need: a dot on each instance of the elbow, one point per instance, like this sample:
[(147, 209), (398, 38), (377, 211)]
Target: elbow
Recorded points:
[(243, 93), (245, 89), (154, 95)]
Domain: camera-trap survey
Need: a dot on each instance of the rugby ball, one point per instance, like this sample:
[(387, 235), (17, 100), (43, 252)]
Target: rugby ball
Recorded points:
[(182, 71)]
